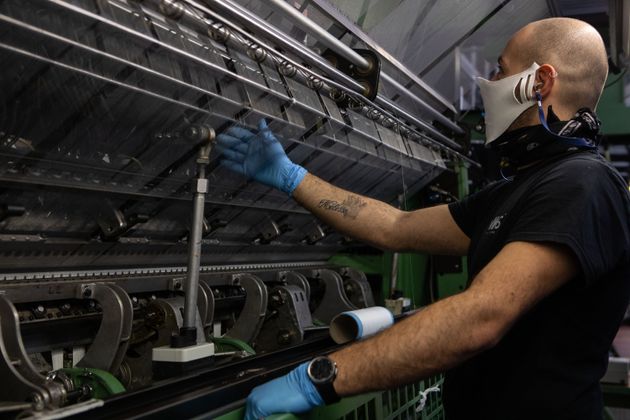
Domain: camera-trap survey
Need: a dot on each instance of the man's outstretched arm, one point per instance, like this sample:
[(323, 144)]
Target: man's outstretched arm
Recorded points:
[(452, 330), (437, 338), (260, 156), (431, 229)]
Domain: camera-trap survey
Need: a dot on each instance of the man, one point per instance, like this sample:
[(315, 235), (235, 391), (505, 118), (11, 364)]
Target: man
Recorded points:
[(548, 251)]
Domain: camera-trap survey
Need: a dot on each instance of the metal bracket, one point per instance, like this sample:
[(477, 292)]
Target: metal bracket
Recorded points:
[(22, 380), (356, 287), (110, 344), (334, 300), (368, 77), (252, 316), (8, 210), (205, 304), (296, 279), (269, 230), (114, 223), (213, 225), (288, 317), (315, 233)]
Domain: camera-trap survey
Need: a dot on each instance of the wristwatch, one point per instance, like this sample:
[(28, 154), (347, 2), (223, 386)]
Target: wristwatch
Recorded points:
[(322, 371)]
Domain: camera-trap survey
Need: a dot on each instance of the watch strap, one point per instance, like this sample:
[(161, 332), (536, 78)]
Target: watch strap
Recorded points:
[(327, 392)]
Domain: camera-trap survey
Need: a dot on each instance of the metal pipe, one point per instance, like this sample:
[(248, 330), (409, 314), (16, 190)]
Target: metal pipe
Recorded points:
[(329, 10), (244, 15), (194, 256), (257, 25), (394, 274), (193, 17), (426, 107), (419, 123), (322, 35), (191, 288)]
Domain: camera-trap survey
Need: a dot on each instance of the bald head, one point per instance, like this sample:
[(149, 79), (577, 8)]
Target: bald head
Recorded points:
[(577, 52)]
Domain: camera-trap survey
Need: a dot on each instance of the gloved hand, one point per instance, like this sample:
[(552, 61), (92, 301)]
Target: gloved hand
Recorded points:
[(292, 393), (260, 157)]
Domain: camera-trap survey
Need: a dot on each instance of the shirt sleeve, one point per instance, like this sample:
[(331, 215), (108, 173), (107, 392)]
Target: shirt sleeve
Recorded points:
[(584, 206), (466, 211)]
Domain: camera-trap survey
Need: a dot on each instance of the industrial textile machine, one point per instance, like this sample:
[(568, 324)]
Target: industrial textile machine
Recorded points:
[(137, 276)]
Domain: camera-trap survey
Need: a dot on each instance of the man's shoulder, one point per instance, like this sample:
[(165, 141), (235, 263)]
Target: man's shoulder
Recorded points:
[(581, 169)]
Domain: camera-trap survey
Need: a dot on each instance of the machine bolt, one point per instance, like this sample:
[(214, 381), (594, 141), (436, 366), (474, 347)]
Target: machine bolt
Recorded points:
[(277, 300), (87, 292), (219, 33), (288, 69), (40, 309), (284, 337), (38, 401), (257, 53), (172, 9)]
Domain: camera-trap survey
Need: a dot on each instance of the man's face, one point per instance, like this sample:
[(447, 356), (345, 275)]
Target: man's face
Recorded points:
[(508, 62)]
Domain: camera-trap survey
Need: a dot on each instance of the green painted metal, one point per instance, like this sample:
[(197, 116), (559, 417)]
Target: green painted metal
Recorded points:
[(612, 112), (412, 270), (388, 405), (103, 383), (380, 264), (369, 264)]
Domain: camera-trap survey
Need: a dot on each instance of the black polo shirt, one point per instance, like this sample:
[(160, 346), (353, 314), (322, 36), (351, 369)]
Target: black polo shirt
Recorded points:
[(548, 366)]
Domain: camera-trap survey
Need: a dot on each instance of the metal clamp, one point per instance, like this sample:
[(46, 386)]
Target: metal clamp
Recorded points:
[(334, 300), (252, 316), (288, 318), (22, 381), (110, 344), (356, 287)]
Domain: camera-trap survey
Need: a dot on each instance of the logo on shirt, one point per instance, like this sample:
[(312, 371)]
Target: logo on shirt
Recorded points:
[(495, 224)]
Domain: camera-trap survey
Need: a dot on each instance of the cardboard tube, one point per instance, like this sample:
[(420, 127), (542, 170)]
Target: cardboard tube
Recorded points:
[(359, 324)]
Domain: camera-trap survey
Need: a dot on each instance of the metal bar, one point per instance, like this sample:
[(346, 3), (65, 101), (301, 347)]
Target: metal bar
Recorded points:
[(112, 57), (328, 9), (247, 17), (194, 253), (420, 124), (428, 108), (99, 77), (320, 33), (166, 46), (94, 275), (254, 23)]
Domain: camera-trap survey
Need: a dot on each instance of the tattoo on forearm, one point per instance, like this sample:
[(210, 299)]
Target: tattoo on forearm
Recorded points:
[(350, 207)]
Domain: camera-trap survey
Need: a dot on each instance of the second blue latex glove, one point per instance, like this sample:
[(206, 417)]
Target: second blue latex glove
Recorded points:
[(291, 393), (259, 156)]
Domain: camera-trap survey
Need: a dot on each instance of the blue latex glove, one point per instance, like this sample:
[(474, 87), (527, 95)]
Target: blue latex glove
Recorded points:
[(292, 393), (259, 156)]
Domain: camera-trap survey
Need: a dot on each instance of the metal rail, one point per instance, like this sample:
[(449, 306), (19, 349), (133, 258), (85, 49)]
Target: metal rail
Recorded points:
[(369, 108), (429, 109), (320, 33), (244, 16), (421, 124), (144, 271), (329, 10), (259, 26), (333, 43)]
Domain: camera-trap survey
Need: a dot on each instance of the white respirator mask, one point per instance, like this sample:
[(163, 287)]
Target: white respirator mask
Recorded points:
[(505, 99)]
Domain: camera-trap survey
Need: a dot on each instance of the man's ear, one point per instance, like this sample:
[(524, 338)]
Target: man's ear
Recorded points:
[(545, 78)]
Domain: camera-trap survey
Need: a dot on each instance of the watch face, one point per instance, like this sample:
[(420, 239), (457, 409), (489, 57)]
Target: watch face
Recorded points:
[(322, 369)]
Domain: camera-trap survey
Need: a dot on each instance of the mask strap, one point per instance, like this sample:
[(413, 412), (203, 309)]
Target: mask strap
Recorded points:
[(572, 141)]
